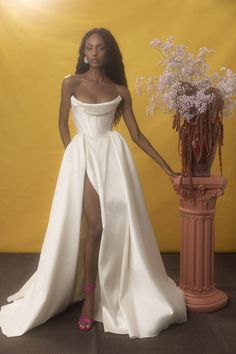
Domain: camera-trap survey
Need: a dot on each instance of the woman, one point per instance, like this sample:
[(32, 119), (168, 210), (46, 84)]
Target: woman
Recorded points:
[(99, 234)]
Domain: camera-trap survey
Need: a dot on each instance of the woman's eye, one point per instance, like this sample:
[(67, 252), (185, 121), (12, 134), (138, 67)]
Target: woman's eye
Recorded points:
[(100, 48)]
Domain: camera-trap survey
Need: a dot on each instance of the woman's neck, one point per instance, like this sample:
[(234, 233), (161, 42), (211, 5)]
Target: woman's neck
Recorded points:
[(96, 75)]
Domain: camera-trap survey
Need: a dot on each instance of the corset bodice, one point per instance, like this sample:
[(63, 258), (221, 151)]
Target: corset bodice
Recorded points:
[(94, 119)]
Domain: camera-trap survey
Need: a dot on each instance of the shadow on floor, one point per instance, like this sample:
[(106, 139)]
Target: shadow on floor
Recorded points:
[(203, 333)]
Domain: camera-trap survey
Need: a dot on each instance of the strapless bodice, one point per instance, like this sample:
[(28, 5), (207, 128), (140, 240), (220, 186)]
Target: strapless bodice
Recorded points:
[(94, 119)]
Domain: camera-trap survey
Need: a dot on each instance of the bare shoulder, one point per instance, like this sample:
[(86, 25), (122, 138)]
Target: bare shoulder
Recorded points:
[(69, 82), (124, 92), (71, 79)]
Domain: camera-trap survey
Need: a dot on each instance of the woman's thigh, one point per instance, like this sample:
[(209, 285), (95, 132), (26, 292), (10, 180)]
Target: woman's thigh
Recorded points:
[(92, 207)]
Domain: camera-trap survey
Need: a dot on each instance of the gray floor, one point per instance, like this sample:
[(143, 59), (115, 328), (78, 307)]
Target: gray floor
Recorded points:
[(203, 333)]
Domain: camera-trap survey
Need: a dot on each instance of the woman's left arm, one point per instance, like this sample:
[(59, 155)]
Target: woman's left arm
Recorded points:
[(137, 136)]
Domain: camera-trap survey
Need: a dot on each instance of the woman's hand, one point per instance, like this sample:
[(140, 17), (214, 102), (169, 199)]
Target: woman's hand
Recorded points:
[(175, 174), (170, 172)]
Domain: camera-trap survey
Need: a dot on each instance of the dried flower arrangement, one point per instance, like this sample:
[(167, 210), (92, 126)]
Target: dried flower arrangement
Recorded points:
[(197, 100)]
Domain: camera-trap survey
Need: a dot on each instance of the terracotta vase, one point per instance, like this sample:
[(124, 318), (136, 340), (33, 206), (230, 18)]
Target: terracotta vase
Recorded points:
[(199, 139), (201, 165)]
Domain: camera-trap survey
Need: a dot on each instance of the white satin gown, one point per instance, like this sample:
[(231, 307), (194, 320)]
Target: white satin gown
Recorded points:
[(133, 294)]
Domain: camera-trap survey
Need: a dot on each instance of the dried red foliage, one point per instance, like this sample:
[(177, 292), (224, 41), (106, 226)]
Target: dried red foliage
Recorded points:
[(199, 138)]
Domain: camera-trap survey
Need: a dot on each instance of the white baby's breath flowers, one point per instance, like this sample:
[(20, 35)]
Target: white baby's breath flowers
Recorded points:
[(138, 85), (184, 82)]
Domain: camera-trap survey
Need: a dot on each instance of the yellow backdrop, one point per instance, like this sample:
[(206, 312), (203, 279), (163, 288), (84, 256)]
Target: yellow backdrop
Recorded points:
[(39, 42)]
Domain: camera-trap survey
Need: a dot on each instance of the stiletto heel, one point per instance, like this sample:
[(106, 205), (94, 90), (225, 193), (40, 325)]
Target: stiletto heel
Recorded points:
[(85, 320)]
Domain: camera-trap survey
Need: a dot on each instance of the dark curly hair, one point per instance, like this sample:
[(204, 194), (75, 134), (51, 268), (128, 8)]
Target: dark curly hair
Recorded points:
[(114, 67)]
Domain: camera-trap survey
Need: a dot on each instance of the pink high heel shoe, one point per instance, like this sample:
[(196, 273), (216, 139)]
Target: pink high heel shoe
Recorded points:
[(85, 320)]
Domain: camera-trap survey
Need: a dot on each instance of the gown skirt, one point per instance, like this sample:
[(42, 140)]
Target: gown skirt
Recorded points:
[(133, 295)]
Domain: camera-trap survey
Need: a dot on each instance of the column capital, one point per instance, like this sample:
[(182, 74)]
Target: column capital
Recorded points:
[(204, 192)]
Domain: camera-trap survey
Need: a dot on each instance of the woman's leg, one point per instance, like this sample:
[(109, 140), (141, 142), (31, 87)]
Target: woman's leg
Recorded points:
[(92, 243)]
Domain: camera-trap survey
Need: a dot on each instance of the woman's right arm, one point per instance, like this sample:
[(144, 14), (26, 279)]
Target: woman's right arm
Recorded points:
[(64, 110)]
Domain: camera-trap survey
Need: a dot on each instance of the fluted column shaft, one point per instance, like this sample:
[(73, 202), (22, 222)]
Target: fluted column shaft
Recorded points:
[(197, 212)]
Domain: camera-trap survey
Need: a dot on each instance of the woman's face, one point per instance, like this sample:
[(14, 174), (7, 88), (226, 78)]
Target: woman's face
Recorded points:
[(95, 50)]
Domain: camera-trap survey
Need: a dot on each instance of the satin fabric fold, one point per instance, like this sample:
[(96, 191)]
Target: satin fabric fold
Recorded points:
[(134, 295)]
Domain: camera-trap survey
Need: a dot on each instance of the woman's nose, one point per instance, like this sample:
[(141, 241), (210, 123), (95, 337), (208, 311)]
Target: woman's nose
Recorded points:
[(94, 51)]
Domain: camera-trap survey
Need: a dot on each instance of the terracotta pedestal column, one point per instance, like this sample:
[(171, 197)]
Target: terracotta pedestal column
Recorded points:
[(197, 242)]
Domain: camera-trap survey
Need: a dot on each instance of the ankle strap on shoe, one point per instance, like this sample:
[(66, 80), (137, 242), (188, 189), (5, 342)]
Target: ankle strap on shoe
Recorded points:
[(89, 287)]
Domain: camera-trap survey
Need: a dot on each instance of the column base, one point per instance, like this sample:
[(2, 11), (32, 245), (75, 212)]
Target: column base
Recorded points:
[(209, 301)]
